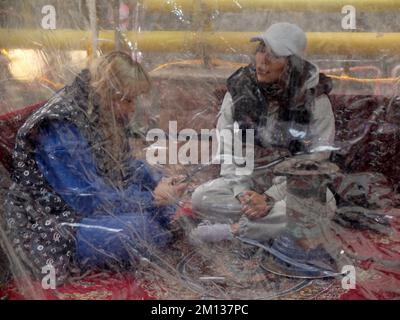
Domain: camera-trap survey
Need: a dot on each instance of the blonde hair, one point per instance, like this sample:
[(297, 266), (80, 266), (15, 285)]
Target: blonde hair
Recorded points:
[(116, 73)]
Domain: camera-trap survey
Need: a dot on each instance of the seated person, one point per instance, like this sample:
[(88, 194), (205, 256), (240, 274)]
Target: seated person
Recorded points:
[(283, 98), (78, 198)]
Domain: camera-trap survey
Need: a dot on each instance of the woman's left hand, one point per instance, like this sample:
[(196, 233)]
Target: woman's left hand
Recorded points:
[(168, 191), (254, 205)]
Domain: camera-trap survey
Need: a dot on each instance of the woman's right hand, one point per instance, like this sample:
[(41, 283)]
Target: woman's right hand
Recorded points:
[(254, 205), (168, 191)]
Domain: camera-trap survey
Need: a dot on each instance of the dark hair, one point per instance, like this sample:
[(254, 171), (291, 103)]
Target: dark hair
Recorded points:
[(296, 101), (294, 105), (261, 45)]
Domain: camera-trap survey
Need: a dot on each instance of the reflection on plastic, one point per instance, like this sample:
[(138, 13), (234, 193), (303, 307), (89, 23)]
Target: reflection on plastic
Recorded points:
[(80, 215)]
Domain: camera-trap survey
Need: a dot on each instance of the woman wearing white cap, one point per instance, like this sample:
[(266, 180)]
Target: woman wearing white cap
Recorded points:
[(283, 98)]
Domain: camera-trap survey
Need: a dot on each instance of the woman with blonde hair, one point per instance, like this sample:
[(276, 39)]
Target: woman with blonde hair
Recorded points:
[(79, 199)]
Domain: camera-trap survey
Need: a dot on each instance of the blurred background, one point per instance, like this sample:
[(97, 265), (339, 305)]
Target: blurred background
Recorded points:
[(34, 62)]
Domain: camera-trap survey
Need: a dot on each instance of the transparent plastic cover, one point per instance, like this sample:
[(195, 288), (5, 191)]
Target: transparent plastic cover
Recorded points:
[(204, 149)]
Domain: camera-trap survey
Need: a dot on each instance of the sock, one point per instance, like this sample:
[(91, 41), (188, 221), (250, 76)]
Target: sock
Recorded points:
[(211, 233)]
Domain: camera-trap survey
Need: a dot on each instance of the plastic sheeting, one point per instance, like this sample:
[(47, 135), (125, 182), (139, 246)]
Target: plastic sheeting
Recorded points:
[(85, 213)]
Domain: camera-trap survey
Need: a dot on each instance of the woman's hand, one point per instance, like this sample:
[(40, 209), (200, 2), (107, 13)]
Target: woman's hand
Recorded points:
[(168, 191), (254, 205)]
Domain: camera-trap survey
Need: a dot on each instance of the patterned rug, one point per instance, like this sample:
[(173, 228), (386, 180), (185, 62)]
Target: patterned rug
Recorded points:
[(218, 273), (226, 271)]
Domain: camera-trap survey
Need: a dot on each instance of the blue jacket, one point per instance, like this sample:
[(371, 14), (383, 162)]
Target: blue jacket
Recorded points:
[(112, 219)]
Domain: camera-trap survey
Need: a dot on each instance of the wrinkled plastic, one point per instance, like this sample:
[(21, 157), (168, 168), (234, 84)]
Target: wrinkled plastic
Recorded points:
[(330, 234)]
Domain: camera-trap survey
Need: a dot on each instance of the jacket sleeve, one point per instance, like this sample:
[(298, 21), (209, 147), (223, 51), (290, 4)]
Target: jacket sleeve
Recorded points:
[(105, 240), (322, 129), (140, 174), (67, 163), (229, 169)]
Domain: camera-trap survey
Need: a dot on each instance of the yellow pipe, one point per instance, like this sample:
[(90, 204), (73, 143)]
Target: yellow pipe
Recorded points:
[(321, 43), (364, 80), (353, 43), (37, 39), (217, 62), (198, 62), (279, 5)]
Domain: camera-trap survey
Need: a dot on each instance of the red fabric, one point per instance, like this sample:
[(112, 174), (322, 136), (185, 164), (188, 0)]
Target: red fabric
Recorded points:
[(377, 278), (185, 211), (93, 287), (22, 113), (384, 285), (9, 125)]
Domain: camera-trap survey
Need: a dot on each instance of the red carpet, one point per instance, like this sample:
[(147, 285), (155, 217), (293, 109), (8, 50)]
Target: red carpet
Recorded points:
[(379, 276), (94, 287)]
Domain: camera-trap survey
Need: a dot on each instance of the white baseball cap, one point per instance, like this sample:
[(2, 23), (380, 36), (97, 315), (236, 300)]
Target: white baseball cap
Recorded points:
[(284, 39)]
